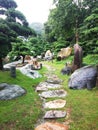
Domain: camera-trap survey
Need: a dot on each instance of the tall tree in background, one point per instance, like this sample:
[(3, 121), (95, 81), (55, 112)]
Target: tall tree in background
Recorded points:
[(37, 45), (61, 24), (89, 30), (13, 25), (20, 48)]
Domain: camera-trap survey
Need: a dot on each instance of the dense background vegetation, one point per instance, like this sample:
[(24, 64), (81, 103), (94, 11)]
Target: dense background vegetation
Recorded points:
[(67, 20), (12, 25), (70, 17)]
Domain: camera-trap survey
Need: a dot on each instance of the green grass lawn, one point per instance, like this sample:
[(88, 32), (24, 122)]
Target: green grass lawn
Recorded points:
[(23, 112), (82, 105)]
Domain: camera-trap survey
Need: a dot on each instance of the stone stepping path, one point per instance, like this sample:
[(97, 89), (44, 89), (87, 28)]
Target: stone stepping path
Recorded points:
[(51, 78), (53, 93), (52, 126), (52, 88), (43, 86), (53, 114), (54, 80), (55, 104)]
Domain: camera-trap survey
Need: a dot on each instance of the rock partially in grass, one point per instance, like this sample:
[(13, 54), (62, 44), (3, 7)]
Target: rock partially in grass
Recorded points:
[(53, 93), (55, 104), (8, 92), (84, 77), (52, 126), (54, 80), (53, 114), (26, 70), (8, 66), (45, 86)]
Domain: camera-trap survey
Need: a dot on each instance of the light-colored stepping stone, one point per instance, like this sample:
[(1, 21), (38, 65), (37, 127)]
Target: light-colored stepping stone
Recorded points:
[(55, 104), (53, 114), (53, 93), (52, 126), (43, 86), (54, 80)]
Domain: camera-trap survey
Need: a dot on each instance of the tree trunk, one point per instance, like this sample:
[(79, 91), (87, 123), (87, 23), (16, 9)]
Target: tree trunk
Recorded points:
[(1, 64), (23, 59)]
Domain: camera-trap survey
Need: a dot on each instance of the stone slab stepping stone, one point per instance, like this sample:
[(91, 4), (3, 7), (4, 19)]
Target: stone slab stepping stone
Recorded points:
[(55, 104), (53, 93), (43, 86), (54, 80), (52, 126), (53, 114)]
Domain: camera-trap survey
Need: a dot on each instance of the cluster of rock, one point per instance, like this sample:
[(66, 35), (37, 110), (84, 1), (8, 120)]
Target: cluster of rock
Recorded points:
[(85, 77), (82, 77), (48, 90), (26, 70), (8, 65)]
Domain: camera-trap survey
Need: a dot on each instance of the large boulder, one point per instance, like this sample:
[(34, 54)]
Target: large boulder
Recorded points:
[(65, 52), (27, 70), (48, 55), (84, 77), (8, 92), (8, 66)]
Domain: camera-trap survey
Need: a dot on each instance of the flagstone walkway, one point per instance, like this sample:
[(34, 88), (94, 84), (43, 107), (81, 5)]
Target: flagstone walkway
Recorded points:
[(53, 96)]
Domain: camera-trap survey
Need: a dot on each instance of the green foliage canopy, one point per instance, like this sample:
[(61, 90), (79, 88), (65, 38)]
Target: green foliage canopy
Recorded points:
[(13, 25), (70, 17), (89, 30)]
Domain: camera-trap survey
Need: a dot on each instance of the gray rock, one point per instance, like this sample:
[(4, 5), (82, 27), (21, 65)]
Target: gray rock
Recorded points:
[(8, 92), (84, 77), (66, 70), (26, 70), (54, 80), (54, 114), (53, 93), (8, 66), (43, 86), (3, 85)]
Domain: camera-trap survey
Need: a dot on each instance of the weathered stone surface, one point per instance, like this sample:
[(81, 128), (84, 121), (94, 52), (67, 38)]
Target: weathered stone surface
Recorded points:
[(53, 93), (78, 54), (45, 86), (64, 52), (26, 70), (83, 77), (52, 126), (53, 79), (8, 92), (8, 66), (53, 114), (67, 69), (55, 104)]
